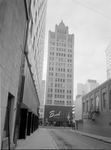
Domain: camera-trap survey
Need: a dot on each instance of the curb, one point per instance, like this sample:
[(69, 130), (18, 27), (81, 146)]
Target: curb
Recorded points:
[(54, 143), (103, 140)]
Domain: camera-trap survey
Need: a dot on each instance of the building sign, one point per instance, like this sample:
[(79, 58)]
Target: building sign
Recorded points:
[(52, 114), (58, 113)]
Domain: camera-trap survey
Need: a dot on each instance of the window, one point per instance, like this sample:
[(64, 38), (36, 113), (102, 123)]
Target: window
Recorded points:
[(83, 107), (104, 99), (97, 102), (92, 103), (110, 99), (86, 105)]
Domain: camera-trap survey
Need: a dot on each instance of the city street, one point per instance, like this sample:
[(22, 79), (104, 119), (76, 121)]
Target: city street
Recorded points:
[(65, 139)]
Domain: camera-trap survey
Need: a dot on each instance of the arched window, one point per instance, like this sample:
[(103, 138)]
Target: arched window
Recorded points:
[(110, 99), (97, 102)]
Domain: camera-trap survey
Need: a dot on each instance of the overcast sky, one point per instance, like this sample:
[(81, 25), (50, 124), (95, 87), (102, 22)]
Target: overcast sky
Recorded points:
[(90, 22)]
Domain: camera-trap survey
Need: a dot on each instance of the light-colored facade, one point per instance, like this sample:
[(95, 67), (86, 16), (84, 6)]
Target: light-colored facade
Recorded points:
[(83, 89), (34, 52), (91, 84), (36, 39), (108, 61), (12, 29), (78, 109), (59, 82)]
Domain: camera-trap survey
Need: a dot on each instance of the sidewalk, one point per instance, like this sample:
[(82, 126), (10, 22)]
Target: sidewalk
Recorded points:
[(40, 139), (101, 138)]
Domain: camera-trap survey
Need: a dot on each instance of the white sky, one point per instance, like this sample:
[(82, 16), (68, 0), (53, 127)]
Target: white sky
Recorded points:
[(90, 22)]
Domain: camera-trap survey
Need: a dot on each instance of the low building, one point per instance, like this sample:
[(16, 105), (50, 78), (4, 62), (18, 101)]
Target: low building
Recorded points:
[(96, 111)]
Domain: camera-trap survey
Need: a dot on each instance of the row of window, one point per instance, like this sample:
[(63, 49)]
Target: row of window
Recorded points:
[(60, 69), (49, 101), (60, 85), (60, 44), (60, 91), (59, 102), (60, 54), (95, 103), (60, 64), (61, 31), (69, 86), (68, 102), (60, 75), (59, 96), (59, 80), (60, 49), (60, 59)]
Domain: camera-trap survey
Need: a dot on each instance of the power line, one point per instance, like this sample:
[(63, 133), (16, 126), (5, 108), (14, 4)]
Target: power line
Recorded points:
[(93, 10)]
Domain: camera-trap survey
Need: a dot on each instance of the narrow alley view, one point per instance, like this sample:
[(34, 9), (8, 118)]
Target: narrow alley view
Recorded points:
[(63, 138), (55, 74)]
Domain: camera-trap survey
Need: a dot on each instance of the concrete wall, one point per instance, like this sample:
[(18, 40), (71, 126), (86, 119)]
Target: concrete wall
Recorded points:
[(100, 126), (30, 98), (78, 108), (12, 24)]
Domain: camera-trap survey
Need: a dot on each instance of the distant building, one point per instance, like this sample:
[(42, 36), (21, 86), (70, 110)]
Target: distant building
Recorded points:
[(108, 61), (59, 83), (82, 89), (91, 84)]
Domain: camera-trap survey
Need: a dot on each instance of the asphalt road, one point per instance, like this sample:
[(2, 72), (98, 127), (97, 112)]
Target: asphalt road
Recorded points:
[(65, 139)]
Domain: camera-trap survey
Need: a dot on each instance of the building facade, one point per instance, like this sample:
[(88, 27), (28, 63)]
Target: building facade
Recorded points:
[(96, 111), (33, 66), (83, 89), (91, 84), (12, 33), (59, 82), (41, 109), (22, 33), (108, 61)]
